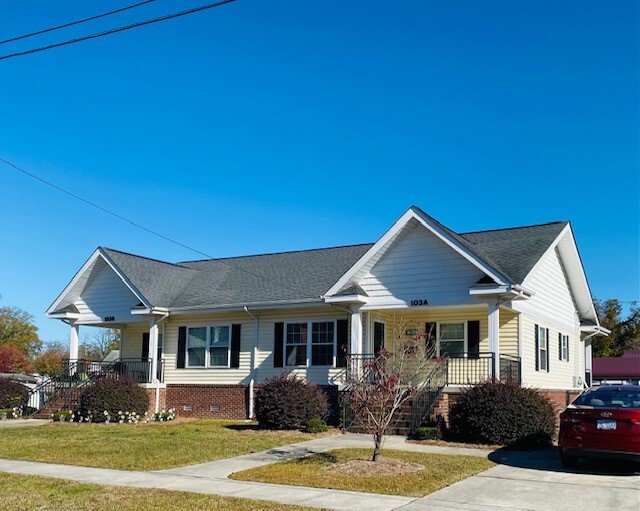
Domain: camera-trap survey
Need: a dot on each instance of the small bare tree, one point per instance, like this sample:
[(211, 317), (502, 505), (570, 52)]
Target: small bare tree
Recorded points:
[(381, 385), (98, 342)]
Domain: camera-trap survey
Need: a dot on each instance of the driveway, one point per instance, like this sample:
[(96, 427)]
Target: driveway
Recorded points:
[(537, 481)]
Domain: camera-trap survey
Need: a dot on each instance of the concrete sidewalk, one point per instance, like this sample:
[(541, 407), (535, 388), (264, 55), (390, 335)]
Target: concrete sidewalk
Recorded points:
[(22, 423)]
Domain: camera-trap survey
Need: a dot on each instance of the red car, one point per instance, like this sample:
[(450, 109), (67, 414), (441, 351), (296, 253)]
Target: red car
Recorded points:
[(602, 422)]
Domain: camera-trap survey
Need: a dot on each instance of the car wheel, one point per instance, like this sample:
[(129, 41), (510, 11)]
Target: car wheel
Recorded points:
[(568, 461)]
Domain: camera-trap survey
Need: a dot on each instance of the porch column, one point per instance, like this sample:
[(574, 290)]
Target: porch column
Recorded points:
[(74, 336), (153, 349), (356, 331), (494, 337)]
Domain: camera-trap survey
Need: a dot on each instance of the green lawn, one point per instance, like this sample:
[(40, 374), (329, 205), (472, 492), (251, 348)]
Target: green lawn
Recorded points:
[(440, 470), (21, 492), (152, 446)]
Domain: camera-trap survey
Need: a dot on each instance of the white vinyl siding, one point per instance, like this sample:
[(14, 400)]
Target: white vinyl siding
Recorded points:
[(105, 295), (420, 266)]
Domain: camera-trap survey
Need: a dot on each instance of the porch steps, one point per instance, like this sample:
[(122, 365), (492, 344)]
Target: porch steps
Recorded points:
[(402, 421)]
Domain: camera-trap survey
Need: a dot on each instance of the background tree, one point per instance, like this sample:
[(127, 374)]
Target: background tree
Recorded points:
[(17, 329), (49, 361), (98, 342), (379, 387), (12, 360), (625, 332)]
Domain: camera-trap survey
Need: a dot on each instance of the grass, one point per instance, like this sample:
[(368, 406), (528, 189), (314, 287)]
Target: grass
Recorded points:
[(441, 470), (21, 492), (152, 446)]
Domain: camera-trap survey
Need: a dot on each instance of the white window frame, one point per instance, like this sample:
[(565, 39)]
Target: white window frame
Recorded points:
[(545, 350), (564, 346), (309, 343), (453, 322), (207, 348)]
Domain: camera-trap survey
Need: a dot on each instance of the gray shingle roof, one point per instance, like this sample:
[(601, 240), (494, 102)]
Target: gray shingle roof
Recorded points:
[(307, 274), (514, 251)]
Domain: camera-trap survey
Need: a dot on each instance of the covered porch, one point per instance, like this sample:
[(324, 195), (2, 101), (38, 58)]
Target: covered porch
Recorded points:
[(475, 343)]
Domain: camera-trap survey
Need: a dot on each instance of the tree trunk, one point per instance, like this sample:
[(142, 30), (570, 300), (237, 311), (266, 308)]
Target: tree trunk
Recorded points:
[(377, 439)]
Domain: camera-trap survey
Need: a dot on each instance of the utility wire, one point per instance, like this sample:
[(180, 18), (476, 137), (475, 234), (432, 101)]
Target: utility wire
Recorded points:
[(154, 233), (118, 29), (77, 22)]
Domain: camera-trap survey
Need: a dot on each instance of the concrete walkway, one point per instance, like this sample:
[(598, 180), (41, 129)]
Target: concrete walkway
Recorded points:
[(523, 481), (21, 423)]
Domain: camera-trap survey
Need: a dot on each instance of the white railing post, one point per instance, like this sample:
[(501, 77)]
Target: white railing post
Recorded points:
[(494, 338), (74, 345)]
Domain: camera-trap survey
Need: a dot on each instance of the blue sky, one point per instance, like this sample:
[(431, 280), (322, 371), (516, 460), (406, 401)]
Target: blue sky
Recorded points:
[(270, 126)]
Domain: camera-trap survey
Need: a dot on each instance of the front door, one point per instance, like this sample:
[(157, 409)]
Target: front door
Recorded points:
[(378, 337)]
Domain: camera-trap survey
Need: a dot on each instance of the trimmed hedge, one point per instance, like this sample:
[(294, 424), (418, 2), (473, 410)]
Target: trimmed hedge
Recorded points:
[(503, 413), (115, 397), (286, 402), (13, 394)]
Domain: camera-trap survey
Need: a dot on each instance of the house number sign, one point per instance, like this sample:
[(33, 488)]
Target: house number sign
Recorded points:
[(418, 303), (109, 318)]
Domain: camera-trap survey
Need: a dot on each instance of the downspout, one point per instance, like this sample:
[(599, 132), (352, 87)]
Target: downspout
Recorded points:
[(254, 358)]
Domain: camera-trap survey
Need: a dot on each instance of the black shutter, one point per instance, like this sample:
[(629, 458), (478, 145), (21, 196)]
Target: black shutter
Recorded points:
[(182, 347), (473, 338), (547, 350), (559, 346), (235, 345), (537, 350), (342, 338), (145, 346), (278, 345), (430, 332), (568, 350)]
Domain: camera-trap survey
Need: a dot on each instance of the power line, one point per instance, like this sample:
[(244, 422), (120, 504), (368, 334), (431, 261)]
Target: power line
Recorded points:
[(154, 233), (118, 29), (77, 22)]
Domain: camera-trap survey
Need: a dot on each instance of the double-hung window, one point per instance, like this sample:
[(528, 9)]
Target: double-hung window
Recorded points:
[(564, 347), (208, 346), (543, 348), (452, 339), (310, 343)]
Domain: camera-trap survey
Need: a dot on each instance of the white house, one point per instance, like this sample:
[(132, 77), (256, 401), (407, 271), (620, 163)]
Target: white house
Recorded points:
[(201, 334)]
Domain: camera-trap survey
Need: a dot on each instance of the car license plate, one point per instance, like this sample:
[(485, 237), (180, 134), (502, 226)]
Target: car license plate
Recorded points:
[(606, 424)]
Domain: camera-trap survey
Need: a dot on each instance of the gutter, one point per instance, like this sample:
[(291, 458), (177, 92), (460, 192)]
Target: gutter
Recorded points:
[(254, 359)]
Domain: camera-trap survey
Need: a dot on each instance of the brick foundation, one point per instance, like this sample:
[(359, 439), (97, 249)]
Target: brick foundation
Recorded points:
[(162, 402), (208, 401)]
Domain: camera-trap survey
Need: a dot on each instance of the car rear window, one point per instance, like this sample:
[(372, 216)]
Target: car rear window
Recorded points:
[(609, 398)]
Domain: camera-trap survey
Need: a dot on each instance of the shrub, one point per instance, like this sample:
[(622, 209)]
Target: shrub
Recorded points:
[(13, 394), (316, 426), (164, 415), (10, 413), (287, 402), (113, 400), (63, 416), (425, 433), (503, 414)]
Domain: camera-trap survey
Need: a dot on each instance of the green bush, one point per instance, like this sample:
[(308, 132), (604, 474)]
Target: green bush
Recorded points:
[(13, 394), (503, 414), (425, 433), (287, 402), (111, 400), (9, 413), (316, 426), (63, 416)]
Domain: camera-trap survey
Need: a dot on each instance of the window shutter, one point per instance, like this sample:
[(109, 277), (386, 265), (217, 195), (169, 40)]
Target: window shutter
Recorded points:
[(559, 346), (278, 345), (537, 349), (182, 347), (430, 330), (547, 350), (342, 338), (473, 338), (235, 345), (145, 346), (568, 350)]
